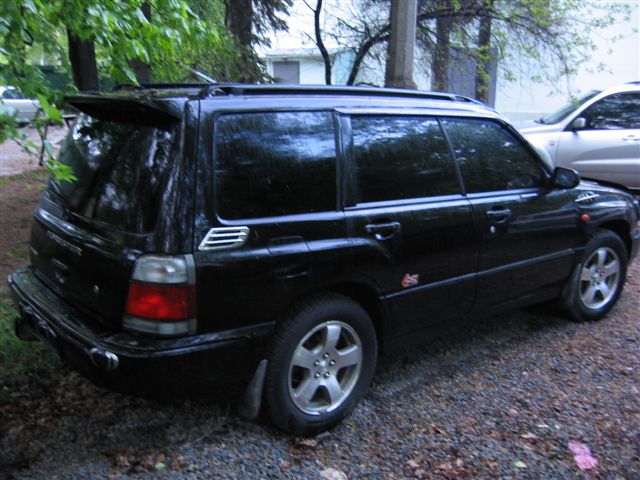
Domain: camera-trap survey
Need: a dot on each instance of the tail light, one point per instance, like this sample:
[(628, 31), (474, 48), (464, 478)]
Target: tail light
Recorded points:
[(162, 296)]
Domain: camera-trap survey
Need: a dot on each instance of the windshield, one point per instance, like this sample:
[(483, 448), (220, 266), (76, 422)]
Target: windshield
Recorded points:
[(121, 170), (565, 110)]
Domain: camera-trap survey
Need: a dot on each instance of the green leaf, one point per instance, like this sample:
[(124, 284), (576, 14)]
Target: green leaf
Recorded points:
[(60, 171), (519, 464)]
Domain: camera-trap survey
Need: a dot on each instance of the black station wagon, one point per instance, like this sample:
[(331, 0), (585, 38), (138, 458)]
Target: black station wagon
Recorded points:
[(284, 237)]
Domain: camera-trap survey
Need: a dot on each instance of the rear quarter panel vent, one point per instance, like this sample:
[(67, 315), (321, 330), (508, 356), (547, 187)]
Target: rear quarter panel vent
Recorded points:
[(220, 238)]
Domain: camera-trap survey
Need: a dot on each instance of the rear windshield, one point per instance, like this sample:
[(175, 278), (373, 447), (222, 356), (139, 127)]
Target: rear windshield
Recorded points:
[(121, 171)]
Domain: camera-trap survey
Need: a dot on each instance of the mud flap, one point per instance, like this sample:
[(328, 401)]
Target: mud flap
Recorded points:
[(249, 407)]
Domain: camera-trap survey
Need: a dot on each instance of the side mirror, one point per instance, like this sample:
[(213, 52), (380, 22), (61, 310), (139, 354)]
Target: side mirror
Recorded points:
[(565, 178), (579, 123)]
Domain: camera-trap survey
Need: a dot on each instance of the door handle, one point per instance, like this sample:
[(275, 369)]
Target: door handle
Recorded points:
[(383, 231), (499, 214), (631, 139)]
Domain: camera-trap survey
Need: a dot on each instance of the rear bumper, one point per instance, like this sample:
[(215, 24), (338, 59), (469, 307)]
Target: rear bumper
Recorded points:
[(133, 363)]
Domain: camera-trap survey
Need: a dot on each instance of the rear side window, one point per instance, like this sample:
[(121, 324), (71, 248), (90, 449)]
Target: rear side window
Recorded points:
[(400, 158), (121, 170), (275, 163), (491, 158)]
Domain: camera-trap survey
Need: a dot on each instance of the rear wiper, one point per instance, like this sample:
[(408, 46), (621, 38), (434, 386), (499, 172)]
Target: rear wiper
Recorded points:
[(55, 190)]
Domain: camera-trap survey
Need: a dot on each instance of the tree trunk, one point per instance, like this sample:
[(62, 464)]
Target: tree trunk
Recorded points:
[(239, 18), (440, 63), (399, 71), (142, 69), (239, 15), (483, 58), (82, 56), (323, 50)]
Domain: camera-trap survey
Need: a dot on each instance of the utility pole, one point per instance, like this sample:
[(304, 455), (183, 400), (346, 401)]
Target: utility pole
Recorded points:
[(402, 41)]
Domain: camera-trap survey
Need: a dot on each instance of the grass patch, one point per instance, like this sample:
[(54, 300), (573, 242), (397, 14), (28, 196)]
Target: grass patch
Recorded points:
[(37, 175), (20, 361), (19, 253)]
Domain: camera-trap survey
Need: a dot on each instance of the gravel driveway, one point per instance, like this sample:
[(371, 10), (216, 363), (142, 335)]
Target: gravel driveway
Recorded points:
[(502, 399)]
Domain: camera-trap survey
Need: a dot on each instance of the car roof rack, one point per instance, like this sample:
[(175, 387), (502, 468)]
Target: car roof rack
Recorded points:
[(278, 89), (159, 86), (214, 89)]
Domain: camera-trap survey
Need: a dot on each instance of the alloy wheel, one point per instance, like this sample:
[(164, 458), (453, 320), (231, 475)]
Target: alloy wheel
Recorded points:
[(599, 278), (325, 367)]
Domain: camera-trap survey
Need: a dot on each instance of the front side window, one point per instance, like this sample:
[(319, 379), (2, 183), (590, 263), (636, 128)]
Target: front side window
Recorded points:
[(275, 163), (12, 94), (490, 157), (397, 158), (568, 108), (621, 110)]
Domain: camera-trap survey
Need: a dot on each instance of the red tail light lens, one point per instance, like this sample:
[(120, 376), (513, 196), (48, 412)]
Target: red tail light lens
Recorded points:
[(161, 302), (162, 296)]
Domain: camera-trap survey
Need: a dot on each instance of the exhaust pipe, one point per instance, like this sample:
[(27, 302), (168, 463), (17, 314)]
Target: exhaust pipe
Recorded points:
[(103, 359)]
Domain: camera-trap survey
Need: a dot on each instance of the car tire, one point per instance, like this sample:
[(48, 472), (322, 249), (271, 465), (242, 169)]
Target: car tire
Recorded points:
[(596, 282), (321, 363)]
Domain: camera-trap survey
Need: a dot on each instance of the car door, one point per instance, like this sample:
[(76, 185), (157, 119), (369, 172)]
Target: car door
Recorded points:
[(527, 230), (411, 229), (269, 226), (608, 147)]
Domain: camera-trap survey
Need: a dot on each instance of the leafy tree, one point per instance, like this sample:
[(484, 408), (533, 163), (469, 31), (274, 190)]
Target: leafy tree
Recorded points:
[(117, 37), (556, 36), (249, 21), (483, 55)]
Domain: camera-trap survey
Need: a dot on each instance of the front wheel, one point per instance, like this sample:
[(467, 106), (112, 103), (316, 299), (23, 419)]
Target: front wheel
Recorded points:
[(321, 363), (597, 280)]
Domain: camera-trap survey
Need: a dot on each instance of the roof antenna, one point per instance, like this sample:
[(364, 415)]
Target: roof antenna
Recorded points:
[(197, 73)]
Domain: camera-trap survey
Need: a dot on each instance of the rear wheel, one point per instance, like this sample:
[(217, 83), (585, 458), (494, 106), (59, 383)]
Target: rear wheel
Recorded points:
[(321, 363), (597, 280)]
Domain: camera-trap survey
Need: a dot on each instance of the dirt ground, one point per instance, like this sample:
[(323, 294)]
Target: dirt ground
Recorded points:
[(18, 198), (14, 161), (19, 195)]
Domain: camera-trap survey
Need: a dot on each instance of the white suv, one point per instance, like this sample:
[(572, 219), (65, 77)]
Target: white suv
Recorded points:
[(598, 135)]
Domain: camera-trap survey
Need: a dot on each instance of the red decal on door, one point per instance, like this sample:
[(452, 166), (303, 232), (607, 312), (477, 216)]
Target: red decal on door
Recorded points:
[(410, 280)]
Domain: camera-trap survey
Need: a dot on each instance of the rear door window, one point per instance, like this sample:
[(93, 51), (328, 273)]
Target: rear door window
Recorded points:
[(398, 158), (121, 170), (275, 163), (491, 158)]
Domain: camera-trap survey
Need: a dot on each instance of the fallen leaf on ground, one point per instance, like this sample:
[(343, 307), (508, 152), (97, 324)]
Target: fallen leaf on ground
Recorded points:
[(413, 464), (332, 474), (582, 456), (308, 442)]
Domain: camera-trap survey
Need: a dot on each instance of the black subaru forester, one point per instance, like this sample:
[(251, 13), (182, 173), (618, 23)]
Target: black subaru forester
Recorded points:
[(286, 236)]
